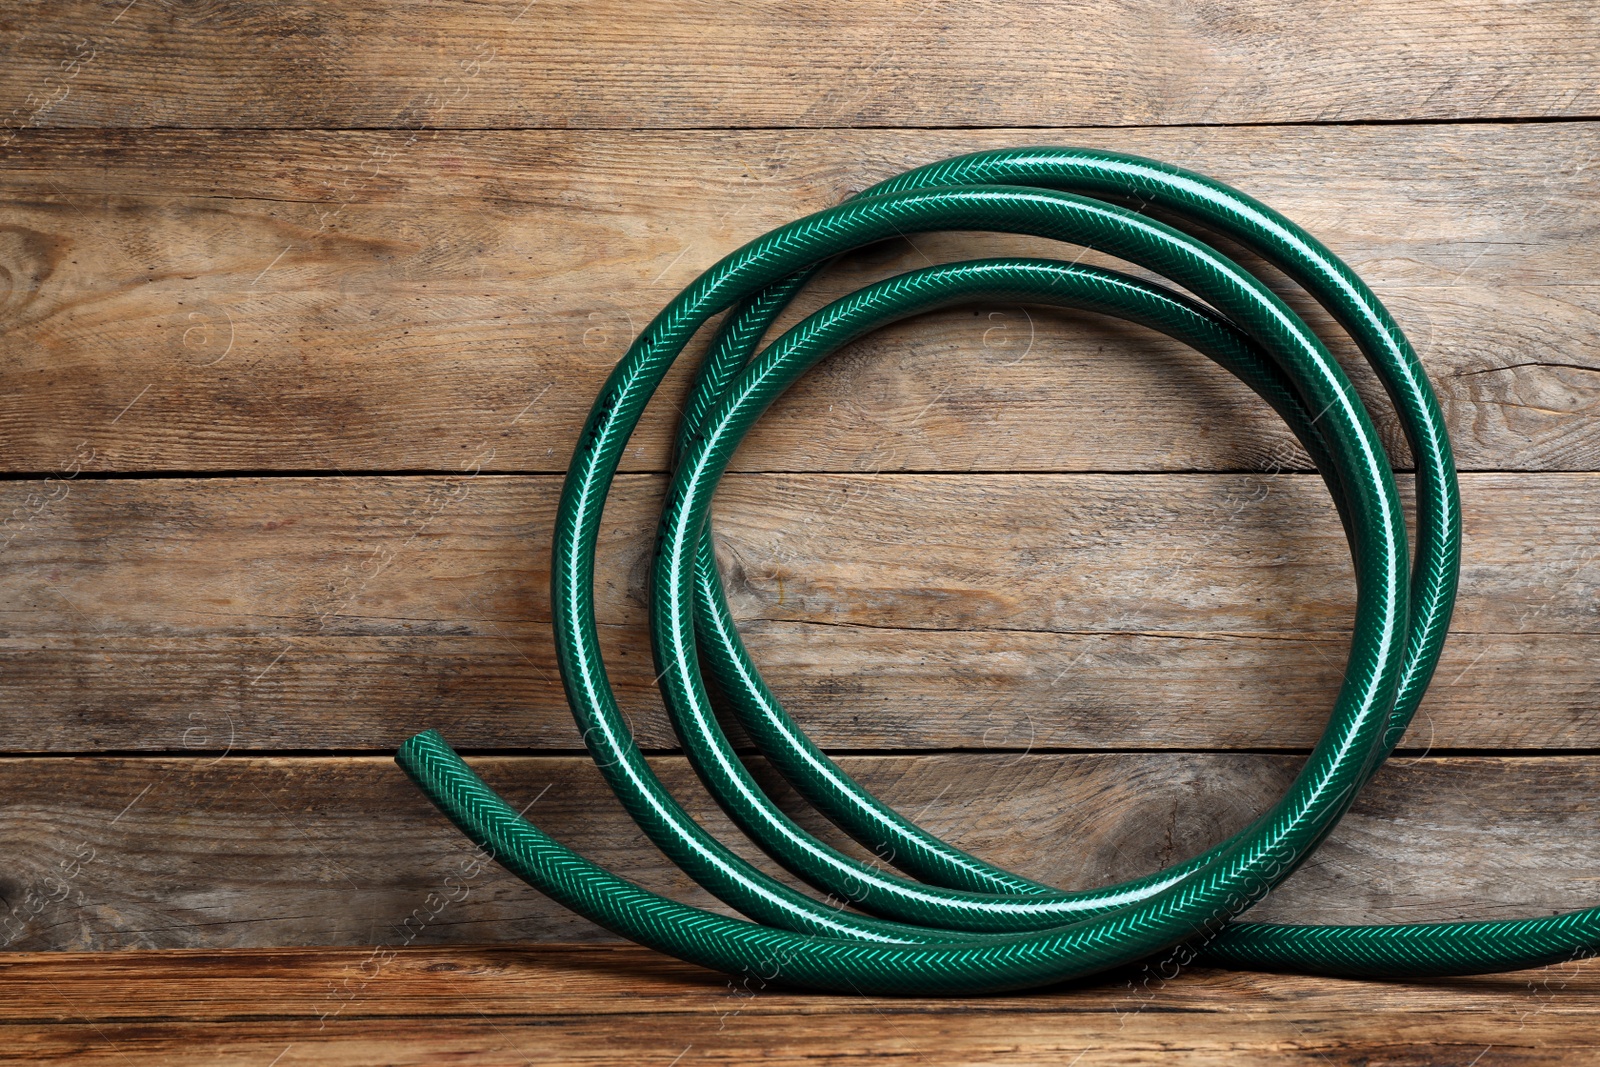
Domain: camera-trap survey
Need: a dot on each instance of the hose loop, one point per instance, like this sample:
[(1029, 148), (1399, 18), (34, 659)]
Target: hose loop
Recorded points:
[(942, 920)]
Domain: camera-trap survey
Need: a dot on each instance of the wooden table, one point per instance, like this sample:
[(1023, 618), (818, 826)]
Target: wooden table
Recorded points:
[(605, 1004), (302, 305)]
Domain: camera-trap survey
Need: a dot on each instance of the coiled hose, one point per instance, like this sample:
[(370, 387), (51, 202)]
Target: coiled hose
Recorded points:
[(945, 921)]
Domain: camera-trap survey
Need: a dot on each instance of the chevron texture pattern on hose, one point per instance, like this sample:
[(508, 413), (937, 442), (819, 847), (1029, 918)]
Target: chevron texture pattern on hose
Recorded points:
[(942, 920)]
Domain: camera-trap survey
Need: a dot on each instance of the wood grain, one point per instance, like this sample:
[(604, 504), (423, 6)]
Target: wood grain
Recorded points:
[(604, 1004), (200, 985), (362, 63), (109, 853), (917, 611), (403, 244), (376, 301)]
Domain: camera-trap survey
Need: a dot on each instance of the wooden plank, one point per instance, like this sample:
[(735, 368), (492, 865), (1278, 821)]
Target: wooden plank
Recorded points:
[(851, 688), (1349, 1039), (365, 300), (362, 63), (116, 853), (922, 611), (603, 1004), (620, 980), (108, 853)]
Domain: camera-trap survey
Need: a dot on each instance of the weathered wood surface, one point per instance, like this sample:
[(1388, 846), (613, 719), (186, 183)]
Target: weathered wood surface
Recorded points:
[(372, 300), (407, 242), (516, 63), (106, 853), (603, 1005), (889, 611)]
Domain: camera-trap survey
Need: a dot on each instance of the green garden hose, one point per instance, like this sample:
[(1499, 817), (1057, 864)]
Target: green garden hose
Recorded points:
[(945, 921)]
